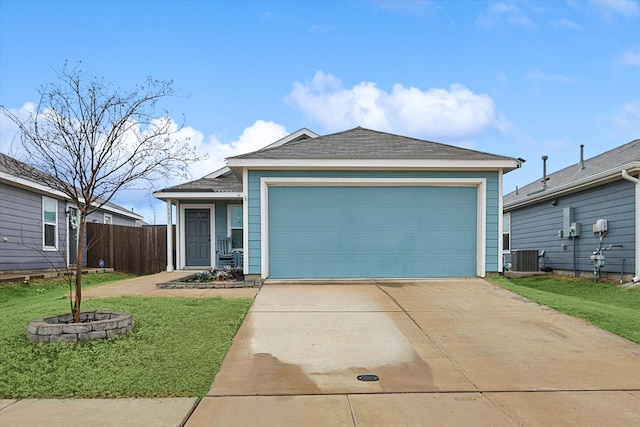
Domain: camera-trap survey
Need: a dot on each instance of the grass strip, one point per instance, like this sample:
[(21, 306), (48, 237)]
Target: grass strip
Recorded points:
[(11, 291), (175, 350), (602, 304)]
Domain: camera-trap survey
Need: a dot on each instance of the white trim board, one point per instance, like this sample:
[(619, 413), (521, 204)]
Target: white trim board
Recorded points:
[(479, 183)]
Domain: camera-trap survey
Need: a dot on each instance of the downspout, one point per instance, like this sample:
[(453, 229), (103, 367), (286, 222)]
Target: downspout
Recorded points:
[(636, 181)]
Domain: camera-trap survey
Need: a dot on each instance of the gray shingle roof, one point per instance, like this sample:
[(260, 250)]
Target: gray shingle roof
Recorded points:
[(223, 184), (365, 144), (14, 167), (611, 160)]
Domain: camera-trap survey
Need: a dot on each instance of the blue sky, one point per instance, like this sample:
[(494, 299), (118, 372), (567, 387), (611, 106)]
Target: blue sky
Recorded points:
[(521, 79)]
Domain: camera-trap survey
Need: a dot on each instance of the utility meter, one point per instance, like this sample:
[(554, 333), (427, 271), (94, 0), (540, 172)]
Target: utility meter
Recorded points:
[(597, 259)]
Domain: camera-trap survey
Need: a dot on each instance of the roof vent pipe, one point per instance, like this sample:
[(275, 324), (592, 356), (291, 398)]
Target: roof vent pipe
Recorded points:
[(544, 172), (581, 156)]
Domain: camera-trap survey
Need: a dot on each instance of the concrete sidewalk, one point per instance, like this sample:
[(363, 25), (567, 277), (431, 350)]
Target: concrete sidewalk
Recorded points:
[(95, 412), (145, 286), (447, 352)]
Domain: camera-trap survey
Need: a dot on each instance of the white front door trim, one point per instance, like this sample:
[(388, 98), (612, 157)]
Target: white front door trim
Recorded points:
[(183, 234)]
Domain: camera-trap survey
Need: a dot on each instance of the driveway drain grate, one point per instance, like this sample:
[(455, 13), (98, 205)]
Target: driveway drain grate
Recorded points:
[(368, 377)]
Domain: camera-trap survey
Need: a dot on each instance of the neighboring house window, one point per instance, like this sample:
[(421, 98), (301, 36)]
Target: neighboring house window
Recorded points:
[(108, 219), (506, 232), (235, 226), (49, 223)]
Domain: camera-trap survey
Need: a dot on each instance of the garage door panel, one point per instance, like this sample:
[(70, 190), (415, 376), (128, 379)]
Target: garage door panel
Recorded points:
[(372, 231)]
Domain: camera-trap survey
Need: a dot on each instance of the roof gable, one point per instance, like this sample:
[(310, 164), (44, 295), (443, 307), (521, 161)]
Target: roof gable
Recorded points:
[(603, 167)]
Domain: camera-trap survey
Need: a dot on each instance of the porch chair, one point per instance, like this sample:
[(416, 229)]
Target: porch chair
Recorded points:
[(224, 253)]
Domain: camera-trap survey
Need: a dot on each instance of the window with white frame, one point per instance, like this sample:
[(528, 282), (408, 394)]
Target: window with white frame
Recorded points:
[(108, 218), (49, 223), (506, 232), (235, 226)]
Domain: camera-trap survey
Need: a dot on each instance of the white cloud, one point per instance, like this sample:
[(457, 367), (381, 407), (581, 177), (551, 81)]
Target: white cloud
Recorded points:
[(608, 8), (625, 122), (453, 114), (254, 137), (499, 12), (9, 132), (630, 58), (566, 23)]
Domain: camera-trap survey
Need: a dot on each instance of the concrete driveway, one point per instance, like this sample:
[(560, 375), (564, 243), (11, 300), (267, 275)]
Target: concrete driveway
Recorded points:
[(447, 352)]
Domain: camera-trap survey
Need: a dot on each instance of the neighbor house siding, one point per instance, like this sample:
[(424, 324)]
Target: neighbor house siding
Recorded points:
[(537, 226), (21, 225), (254, 223), (98, 216)]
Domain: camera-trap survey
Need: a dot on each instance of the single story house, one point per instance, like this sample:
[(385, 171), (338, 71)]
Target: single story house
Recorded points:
[(353, 204), (559, 214), (38, 225)]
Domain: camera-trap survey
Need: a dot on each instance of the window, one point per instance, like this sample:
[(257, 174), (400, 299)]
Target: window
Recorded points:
[(108, 219), (506, 232), (49, 223), (235, 218)]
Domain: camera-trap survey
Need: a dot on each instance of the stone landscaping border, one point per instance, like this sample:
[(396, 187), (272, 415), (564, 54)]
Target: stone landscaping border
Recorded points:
[(212, 285), (183, 284), (94, 325)]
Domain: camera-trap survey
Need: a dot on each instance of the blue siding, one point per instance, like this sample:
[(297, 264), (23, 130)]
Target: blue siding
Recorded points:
[(492, 179), (536, 227)]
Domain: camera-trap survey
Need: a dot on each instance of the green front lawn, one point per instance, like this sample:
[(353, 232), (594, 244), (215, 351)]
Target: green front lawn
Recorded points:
[(176, 348), (603, 304)]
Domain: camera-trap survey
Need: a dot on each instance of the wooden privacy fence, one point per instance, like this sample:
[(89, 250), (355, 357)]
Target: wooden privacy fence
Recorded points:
[(134, 250)]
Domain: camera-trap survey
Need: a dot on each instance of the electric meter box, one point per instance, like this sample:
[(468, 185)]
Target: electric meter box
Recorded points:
[(570, 227)]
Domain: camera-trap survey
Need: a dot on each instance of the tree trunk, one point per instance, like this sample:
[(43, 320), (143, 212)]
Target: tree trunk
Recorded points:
[(78, 294)]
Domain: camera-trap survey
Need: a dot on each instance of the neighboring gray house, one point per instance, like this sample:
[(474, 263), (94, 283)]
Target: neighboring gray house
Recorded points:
[(557, 215), (353, 204), (38, 225)]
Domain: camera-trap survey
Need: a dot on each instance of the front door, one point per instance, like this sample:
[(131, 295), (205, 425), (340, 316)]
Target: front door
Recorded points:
[(198, 237), (72, 235)]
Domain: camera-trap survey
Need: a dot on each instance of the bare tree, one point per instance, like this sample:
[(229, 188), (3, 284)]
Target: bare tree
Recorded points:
[(93, 140)]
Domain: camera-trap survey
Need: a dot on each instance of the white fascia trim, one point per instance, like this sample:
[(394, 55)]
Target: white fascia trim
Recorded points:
[(12, 179), (218, 172), (212, 231), (291, 137), (193, 195), (480, 183), (372, 164), (574, 187)]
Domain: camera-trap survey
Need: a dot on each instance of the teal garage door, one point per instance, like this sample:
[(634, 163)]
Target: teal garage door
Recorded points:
[(371, 231)]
